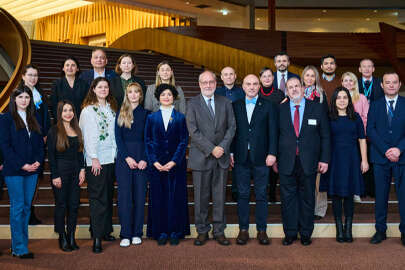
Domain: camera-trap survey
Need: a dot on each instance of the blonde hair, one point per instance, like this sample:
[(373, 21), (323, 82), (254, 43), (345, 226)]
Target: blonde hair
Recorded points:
[(355, 91), (126, 116), (158, 79), (318, 87)]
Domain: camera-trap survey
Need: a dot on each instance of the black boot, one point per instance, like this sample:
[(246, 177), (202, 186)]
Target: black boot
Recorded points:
[(348, 229), (339, 230), (97, 245), (72, 241), (33, 219), (63, 243)]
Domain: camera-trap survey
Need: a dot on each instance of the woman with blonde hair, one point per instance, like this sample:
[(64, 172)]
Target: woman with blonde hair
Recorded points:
[(313, 91), (131, 165), (164, 74)]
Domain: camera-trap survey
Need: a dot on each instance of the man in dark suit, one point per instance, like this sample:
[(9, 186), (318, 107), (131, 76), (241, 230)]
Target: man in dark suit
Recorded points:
[(386, 131), (281, 76), (211, 125), (368, 85), (254, 151), (304, 150), (98, 61)]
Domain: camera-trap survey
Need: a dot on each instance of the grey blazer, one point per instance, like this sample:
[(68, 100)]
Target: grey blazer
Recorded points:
[(206, 133), (152, 104)]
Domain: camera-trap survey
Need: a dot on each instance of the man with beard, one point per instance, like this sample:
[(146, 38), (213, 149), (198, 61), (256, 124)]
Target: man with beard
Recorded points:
[(329, 80), (282, 61)]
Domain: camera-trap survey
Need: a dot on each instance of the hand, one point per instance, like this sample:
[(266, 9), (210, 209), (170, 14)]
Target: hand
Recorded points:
[(393, 154), (218, 151), (95, 166), (142, 165), (169, 165), (57, 182), (231, 161), (275, 167), (45, 139), (322, 167), (35, 165), (82, 177), (28, 168), (364, 166), (270, 160), (158, 166), (1, 167), (131, 163)]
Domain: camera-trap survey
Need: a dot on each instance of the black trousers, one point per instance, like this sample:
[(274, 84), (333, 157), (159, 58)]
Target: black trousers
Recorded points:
[(297, 201), (101, 189), (67, 198), (348, 206)]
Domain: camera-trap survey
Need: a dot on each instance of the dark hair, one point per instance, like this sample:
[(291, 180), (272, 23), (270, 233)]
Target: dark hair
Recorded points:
[(62, 141), (30, 111), (282, 53), (98, 49), (333, 114), (263, 70), (70, 57), (24, 71), (389, 72), (164, 86), (328, 56), (91, 97), (118, 68)]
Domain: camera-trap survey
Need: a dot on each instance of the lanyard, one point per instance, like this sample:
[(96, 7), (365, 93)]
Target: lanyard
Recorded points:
[(367, 92)]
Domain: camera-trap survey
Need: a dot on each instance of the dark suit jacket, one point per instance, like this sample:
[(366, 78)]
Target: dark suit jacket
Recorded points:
[(376, 91), (289, 75), (20, 147), (88, 75), (206, 132), (261, 134), (237, 93), (313, 140), (42, 114), (118, 92), (378, 130)]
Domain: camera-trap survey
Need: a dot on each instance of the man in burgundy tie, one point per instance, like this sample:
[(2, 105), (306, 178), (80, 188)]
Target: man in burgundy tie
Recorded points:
[(304, 150)]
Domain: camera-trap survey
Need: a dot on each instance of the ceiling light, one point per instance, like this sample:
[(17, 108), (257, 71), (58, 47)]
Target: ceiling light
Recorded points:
[(324, 11), (319, 19), (258, 19), (224, 11), (367, 19), (187, 3), (375, 11)]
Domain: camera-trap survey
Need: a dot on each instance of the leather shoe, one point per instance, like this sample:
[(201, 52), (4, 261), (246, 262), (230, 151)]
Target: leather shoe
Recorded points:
[(162, 241), (221, 239), (378, 237), (403, 239), (109, 238), (263, 238), (201, 239), (174, 241), (306, 241), (28, 255), (243, 237), (97, 245), (288, 240)]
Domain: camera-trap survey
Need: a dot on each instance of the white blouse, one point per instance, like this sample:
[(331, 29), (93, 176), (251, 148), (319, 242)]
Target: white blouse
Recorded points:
[(97, 125), (166, 115), (23, 116)]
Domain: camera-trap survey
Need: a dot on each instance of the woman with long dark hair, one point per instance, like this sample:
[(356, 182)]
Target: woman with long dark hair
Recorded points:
[(65, 154), (97, 125), (344, 177), (21, 141)]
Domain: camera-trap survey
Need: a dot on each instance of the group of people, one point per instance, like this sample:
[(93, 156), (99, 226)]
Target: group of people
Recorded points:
[(311, 131)]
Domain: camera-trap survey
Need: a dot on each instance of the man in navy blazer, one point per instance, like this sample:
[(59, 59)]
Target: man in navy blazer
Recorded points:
[(98, 61), (369, 85), (254, 150), (282, 61), (303, 150), (386, 131)]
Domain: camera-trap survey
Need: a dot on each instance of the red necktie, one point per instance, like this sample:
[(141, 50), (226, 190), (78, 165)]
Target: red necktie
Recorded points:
[(297, 123)]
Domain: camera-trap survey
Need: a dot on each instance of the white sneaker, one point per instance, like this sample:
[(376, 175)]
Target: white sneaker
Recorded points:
[(124, 243), (136, 241), (356, 198)]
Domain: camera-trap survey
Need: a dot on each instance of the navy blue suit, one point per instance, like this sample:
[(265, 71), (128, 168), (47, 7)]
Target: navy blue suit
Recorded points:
[(289, 76), (383, 137), (131, 183), (376, 90), (234, 94), (88, 75), (168, 209)]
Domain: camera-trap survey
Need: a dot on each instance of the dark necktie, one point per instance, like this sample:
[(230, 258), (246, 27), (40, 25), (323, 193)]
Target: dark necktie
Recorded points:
[(367, 84), (297, 123), (210, 108), (282, 83), (390, 112)]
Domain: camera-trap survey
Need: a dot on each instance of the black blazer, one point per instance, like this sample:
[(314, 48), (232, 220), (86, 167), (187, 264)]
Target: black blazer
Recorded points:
[(376, 91), (88, 75), (313, 141), (260, 134), (61, 90), (42, 114), (118, 92)]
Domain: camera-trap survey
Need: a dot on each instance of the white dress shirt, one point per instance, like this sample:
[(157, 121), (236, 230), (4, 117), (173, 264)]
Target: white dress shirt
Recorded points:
[(96, 75), (387, 102), (23, 115), (166, 115)]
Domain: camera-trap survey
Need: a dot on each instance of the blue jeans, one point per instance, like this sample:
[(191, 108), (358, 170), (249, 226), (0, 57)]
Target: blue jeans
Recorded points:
[(21, 189)]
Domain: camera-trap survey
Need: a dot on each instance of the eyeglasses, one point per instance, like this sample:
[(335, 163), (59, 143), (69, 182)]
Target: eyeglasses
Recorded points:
[(207, 82)]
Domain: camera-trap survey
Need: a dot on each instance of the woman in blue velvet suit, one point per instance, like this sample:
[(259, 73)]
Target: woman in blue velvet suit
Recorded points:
[(23, 147), (166, 138), (131, 164)]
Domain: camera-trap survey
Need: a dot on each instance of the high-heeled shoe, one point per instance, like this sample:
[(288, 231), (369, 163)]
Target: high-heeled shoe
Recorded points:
[(72, 241), (63, 243), (97, 245)]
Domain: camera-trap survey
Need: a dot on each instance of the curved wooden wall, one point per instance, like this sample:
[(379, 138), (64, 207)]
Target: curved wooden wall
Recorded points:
[(211, 55), (17, 45)]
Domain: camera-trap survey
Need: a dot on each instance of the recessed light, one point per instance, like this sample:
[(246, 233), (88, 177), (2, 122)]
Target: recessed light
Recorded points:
[(319, 19), (367, 19), (395, 13), (375, 11), (258, 19), (187, 3), (324, 11), (224, 11)]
